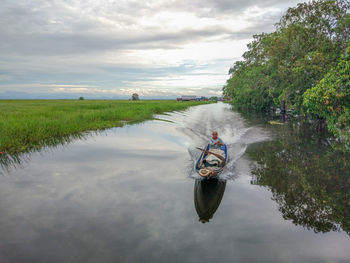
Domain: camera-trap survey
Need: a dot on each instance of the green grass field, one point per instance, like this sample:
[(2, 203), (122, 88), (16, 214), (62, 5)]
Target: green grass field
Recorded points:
[(27, 125)]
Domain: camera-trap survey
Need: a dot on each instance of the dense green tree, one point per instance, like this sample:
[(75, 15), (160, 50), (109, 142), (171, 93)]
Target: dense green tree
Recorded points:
[(280, 66), (330, 99)]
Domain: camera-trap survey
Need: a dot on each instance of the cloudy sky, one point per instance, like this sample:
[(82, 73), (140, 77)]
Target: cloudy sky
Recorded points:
[(113, 48)]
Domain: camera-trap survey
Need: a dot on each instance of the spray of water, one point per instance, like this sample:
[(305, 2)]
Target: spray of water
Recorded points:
[(198, 123)]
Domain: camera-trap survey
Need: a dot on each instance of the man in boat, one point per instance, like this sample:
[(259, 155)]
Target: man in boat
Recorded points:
[(215, 144), (214, 141), (213, 162)]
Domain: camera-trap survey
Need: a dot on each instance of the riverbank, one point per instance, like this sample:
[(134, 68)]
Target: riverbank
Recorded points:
[(27, 125)]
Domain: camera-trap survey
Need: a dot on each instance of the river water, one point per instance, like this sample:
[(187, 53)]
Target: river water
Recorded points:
[(131, 194)]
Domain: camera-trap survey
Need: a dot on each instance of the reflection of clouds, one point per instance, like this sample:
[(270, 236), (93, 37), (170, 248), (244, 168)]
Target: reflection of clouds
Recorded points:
[(125, 194), (146, 138)]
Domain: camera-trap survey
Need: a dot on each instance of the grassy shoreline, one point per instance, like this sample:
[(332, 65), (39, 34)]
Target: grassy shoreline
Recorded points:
[(27, 125)]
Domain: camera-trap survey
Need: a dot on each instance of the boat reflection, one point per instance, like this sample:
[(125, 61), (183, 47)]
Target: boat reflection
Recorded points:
[(208, 194)]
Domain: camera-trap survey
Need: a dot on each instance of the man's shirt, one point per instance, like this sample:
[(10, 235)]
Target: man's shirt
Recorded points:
[(214, 143)]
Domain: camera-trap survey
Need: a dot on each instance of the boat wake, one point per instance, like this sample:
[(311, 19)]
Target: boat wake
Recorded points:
[(198, 123)]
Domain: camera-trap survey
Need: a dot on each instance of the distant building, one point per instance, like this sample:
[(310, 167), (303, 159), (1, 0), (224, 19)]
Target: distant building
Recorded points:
[(188, 98), (135, 96), (202, 98)]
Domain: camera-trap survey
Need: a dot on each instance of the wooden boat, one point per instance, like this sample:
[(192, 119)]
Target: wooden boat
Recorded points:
[(211, 168)]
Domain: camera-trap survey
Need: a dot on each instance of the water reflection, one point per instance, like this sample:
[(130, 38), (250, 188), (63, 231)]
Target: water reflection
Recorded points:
[(124, 196), (309, 180), (7, 161), (13, 161), (208, 194)]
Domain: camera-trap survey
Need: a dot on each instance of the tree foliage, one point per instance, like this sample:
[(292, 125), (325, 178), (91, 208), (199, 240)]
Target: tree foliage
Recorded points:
[(330, 99), (308, 42)]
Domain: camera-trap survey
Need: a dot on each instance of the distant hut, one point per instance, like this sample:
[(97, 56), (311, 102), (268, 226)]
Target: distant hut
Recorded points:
[(135, 96), (188, 98)]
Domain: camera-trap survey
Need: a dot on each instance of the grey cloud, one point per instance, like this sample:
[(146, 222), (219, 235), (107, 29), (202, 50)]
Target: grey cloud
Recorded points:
[(213, 8), (56, 41), (239, 5), (69, 43), (50, 27)]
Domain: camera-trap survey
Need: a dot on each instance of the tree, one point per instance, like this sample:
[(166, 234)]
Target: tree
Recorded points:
[(135, 96), (280, 66), (330, 99)]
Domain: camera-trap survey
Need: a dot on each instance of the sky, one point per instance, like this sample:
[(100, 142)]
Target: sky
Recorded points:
[(111, 49)]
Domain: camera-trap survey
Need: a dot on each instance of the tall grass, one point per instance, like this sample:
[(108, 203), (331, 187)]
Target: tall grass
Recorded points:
[(31, 124)]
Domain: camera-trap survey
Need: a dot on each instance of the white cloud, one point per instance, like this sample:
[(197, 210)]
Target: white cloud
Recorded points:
[(119, 45)]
